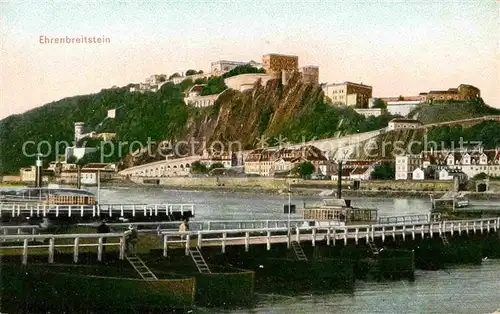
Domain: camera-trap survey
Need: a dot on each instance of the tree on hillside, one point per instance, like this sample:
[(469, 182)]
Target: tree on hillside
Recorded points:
[(190, 72), (243, 69), (215, 85), (384, 171), (304, 169), (174, 75), (379, 103), (200, 72), (401, 98)]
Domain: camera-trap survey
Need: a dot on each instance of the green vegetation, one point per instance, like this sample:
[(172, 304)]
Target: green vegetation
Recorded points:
[(451, 137), (174, 75), (242, 69), (215, 85), (379, 103), (216, 165), (305, 169), (452, 110), (198, 167), (296, 111), (384, 171)]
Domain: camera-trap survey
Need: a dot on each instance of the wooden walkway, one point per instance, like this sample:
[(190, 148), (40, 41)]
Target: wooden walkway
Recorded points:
[(268, 236), (38, 241), (194, 225), (110, 210)]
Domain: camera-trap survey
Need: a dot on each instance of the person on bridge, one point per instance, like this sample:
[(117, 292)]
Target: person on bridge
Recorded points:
[(183, 227), (131, 241)]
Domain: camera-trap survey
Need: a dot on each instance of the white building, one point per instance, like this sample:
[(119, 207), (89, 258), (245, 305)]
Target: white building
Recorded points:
[(247, 81), (405, 165), (445, 175), (418, 174), (468, 162), (398, 124)]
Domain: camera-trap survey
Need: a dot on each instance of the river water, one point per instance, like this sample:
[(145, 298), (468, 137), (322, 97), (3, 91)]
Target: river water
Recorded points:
[(463, 289)]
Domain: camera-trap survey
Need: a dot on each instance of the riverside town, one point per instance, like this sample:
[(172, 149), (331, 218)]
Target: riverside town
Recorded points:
[(233, 163)]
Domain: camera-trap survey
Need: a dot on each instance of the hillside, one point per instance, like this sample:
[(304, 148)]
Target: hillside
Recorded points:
[(452, 110), (296, 111)]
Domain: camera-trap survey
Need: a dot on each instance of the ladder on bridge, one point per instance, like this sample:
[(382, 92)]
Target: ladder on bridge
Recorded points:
[(199, 261), (299, 252), (444, 239), (373, 247), (141, 268)]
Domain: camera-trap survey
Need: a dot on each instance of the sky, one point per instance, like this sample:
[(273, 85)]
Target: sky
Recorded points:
[(398, 47)]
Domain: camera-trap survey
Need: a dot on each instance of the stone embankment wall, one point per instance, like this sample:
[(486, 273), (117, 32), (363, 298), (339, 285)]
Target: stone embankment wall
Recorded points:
[(278, 183)]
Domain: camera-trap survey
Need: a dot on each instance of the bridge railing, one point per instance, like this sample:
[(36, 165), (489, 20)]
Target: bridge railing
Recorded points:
[(314, 233), (150, 227), (19, 230), (33, 242), (42, 210), (409, 218)]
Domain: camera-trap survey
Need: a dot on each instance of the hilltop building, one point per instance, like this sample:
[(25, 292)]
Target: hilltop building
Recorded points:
[(310, 74), (275, 63), (401, 105), (349, 94), (405, 124), (463, 92), (220, 67)]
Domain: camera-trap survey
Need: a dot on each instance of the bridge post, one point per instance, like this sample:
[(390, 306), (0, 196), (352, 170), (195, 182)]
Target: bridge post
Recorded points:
[(452, 229), (297, 234), (394, 232), (51, 250), (165, 245), (313, 242), (247, 236), (334, 235), (57, 210), (31, 210), (75, 250), (404, 232), (383, 234), (199, 239), (268, 240), (133, 210), (25, 252), (121, 211), (99, 249), (19, 210), (69, 210), (459, 228), (188, 242), (345, 236), (413, 232), (373, 232), (224, 236), (122, 248), (156, 209), (328, 236), (481, 226), (356, 236), (474, 226)]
